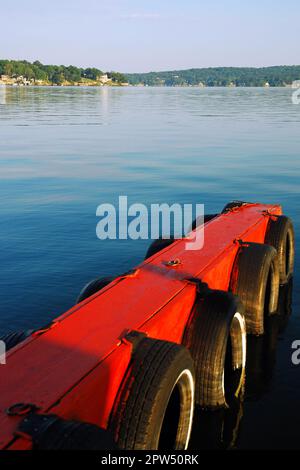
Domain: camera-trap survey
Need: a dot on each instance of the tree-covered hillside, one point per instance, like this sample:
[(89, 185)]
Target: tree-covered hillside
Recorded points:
[(55, 74), (220, 76)]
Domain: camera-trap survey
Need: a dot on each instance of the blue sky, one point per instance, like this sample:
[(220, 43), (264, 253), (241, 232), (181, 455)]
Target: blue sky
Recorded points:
[(133, 36)]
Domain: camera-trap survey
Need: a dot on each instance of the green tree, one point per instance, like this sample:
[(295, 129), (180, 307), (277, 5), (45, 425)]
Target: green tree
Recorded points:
[(92, 73), (116, 77)]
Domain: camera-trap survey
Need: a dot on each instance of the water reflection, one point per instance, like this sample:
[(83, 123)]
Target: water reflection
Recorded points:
[(220, 429), (53, 106), (261, 351), (2, 94), (216, 429)]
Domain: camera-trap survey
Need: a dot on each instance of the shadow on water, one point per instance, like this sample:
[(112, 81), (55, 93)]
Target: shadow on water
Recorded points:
[(219, 429)]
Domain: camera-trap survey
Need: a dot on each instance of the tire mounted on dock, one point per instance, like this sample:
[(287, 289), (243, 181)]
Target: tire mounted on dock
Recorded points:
[(94, 286), (280, 235), (216, 338), (154, 409), (255, 280)]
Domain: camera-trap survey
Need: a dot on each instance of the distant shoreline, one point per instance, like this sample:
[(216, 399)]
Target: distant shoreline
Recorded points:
[(277, 76), (70, 85), (24, 73), (127, 85)]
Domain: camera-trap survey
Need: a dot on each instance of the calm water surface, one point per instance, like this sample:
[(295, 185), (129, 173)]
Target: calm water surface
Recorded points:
[(63, 151)]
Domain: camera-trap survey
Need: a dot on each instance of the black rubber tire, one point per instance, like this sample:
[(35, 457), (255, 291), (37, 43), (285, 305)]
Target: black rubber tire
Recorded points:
[(49, 432), (94, 286), (154, 408), (233, 205), (255, 279), (207, 218), (280, 235), (216, 338), (158, 245), (12, 339)]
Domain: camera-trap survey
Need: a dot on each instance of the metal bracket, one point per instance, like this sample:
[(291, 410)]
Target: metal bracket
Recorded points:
[(267, 213), (45, 328), (172, 263), (21, 409), (130, 273), (34, 425), (134, 338), (201, 287), (240, 242), (237, 205)]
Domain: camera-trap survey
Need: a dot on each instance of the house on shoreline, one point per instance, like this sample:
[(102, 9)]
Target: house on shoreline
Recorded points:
[(20, 80), (103, 79)]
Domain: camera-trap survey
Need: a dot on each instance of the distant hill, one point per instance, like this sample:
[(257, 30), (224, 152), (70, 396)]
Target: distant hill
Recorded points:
[(38, 73), (219, 76)]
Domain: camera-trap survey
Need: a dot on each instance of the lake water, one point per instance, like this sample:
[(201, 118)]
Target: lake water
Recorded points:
[(64, 151)]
